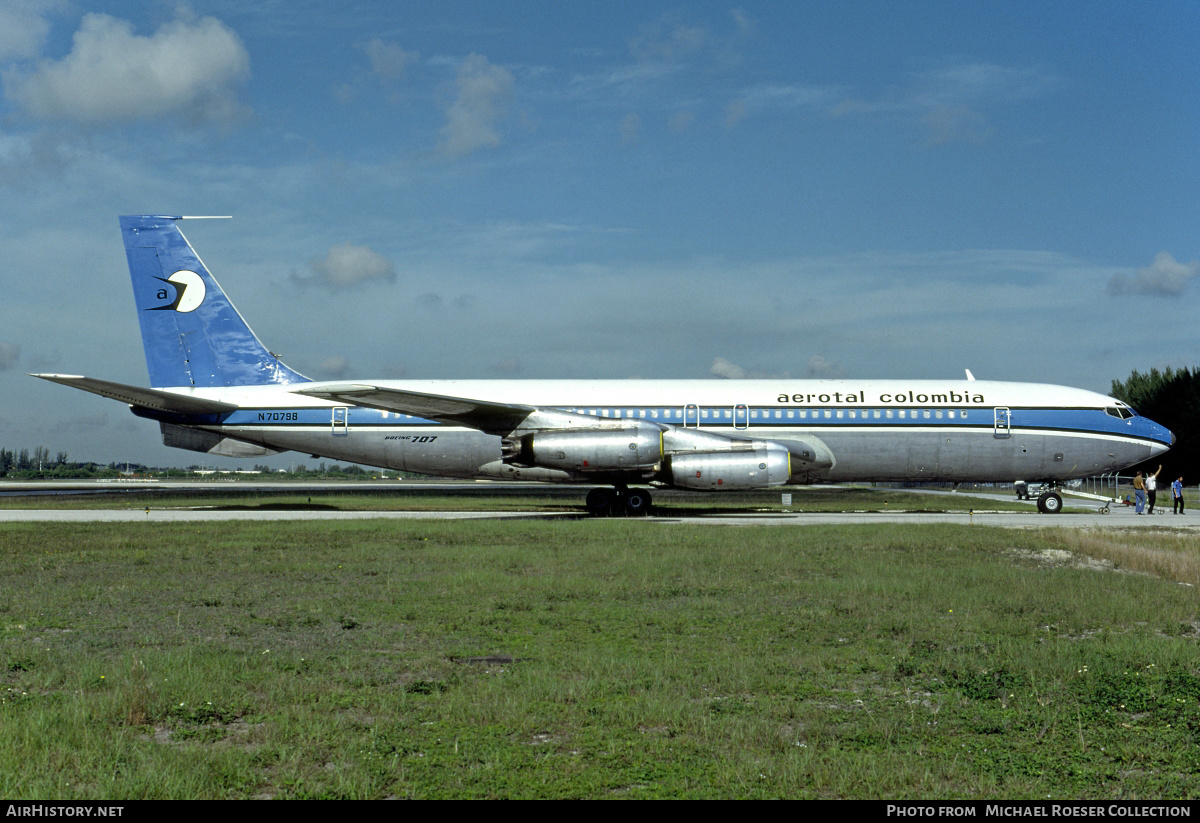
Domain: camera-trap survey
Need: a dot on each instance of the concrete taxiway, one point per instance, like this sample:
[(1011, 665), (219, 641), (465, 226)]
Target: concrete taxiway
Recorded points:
[(1120, 517), (1018, 520)]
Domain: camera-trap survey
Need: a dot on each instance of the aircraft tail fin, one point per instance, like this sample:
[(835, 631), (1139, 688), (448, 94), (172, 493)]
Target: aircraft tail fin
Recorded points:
[(192, 334)]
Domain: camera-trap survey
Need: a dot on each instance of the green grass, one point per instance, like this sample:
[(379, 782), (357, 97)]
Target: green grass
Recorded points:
[(298, 660)]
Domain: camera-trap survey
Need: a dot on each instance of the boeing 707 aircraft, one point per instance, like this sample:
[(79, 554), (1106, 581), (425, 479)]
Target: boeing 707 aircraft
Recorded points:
[(217, 389)]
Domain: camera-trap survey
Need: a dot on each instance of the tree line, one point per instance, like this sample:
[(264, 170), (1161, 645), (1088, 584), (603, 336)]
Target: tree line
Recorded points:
[(40, 463), (1172, 398)]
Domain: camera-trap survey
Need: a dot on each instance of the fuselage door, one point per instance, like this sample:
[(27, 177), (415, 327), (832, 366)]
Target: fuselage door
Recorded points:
[(691, 416), (341, 421), (1003, 425), (741, 416)]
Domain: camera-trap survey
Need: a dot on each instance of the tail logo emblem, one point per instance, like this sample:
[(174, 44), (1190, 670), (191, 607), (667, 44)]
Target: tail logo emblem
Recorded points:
[(189, 291)]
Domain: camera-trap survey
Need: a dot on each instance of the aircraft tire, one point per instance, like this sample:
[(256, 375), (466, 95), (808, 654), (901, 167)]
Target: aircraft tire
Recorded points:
[(637, 502), (1049, 503), (599, 502)]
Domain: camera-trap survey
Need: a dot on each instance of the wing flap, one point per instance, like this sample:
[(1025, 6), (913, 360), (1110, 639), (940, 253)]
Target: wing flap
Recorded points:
[(153, 399), (493, 418)]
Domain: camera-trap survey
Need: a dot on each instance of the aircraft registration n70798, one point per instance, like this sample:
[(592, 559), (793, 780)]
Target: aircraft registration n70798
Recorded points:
[(217, 389)]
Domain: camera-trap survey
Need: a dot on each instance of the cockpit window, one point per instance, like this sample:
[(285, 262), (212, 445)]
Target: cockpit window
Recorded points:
[(1123, 412)]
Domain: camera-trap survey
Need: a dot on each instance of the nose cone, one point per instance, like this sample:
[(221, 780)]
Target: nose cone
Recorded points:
[(1155, 435), (1162, 437)]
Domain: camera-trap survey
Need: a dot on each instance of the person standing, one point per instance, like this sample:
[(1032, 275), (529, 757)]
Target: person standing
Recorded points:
[(1152, 487), (1177, 495), (1139, 493)]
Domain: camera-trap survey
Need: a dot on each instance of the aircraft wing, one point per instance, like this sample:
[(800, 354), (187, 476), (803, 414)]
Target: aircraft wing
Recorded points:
[(154, 399), (493, 418)]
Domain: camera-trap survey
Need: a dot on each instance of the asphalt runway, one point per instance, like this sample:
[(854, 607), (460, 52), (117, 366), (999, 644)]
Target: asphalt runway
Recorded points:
[(1121, 517)]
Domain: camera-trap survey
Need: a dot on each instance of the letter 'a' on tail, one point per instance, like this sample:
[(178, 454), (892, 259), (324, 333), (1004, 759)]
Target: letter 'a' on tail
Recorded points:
[(192, 334)]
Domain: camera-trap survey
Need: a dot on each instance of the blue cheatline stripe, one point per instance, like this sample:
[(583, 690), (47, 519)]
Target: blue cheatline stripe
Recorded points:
[(1066, 421)]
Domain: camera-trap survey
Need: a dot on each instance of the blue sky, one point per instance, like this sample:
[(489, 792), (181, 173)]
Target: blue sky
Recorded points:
[(550, 189)]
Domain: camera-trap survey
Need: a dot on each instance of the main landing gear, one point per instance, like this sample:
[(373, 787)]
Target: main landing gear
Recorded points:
[(619, 501)]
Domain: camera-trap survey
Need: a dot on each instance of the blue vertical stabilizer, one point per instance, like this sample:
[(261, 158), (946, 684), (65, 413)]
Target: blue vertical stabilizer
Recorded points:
[(192, 334)]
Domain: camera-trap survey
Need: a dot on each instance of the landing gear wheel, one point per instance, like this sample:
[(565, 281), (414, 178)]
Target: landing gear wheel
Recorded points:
[(1049, 503), (599, 502), (637, 502)]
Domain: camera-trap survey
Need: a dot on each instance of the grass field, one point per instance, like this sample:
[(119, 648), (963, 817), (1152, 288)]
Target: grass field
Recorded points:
[(372, 659)]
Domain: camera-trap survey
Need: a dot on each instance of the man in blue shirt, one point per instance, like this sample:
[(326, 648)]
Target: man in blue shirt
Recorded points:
[(1177, 495)]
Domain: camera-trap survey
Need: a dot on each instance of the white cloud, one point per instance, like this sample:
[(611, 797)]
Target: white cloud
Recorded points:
[(789, 96), (821, 366), (472, 119), (25, 157), (335, 367), (23, 29), (1165, 277), (347, 266), (682, 120), (956, 124), (729, 371), (388, 61), (954, 85), (726, 370), (192, 68), (956, 104), (668, 40)]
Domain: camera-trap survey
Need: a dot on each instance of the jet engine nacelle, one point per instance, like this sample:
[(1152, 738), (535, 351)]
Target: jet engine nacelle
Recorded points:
[(767, 464), (638, 446)]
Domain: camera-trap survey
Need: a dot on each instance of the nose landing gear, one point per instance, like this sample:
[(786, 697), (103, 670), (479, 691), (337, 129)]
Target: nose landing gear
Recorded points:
[(1049, 503)]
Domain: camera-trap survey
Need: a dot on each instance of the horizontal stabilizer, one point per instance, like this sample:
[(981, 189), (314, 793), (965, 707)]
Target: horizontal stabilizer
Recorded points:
[(153, 399), (493, 418)]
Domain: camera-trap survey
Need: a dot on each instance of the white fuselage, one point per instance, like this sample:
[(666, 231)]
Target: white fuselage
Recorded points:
[(873, 429)]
